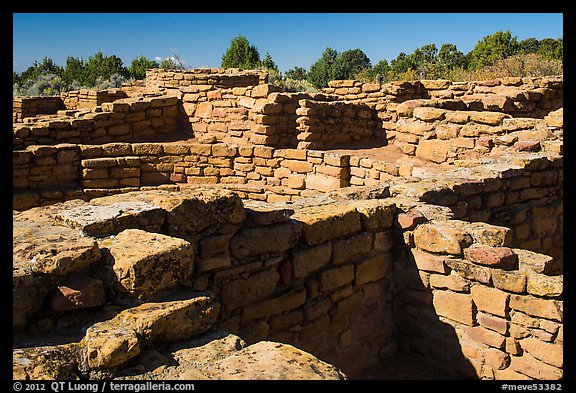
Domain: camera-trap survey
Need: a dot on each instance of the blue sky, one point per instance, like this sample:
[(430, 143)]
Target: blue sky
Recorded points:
[(298, 39)]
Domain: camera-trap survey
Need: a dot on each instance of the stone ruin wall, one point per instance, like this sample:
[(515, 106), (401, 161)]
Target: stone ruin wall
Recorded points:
[(468, 295)]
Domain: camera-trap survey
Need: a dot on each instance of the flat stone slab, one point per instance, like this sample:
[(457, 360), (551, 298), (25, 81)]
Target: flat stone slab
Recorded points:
[(106, 220), (145, 262)]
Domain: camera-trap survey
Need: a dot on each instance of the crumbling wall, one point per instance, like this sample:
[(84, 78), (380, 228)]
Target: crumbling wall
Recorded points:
[(89, 98)]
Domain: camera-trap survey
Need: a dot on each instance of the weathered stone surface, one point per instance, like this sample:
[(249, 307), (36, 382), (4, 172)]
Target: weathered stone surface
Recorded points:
[(532, 367), (376, 214), (490, 300), (441, 239), (489, 235), (45, 362), (146, 263), (428, 114), (109, 344), (548, 353), (112, 219), (336, 277), (373, 268), (434, 150), (470, 270), (543, 285), (513, 281), (289, 300), (323, 183), (533, 261), (347, 249), (266, 239), (172, 320), (309, 260), (276, 361), (536, 307), (429, 262), (78, 292), (188, 212), (555, 118), (243, 292), (485, 336), (455, 306), (494, 257), (323, 223), (453, 282)]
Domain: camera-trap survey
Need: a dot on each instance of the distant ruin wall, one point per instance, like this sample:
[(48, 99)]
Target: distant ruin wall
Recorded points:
[(157, 78), (122, 120)]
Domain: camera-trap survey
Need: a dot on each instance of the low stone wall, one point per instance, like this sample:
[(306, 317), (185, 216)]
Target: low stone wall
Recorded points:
[(471, 305), (23, 107), (329, 124), (158, 78), (520, 97), (443, 135), (122, 120), (88, 99)]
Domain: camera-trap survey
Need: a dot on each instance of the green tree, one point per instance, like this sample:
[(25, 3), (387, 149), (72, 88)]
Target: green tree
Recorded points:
[(529, 45), (296, 73), (75, 70), (46, 67), (138, 67), (381, 68), (168, 64), (450, 57), (322, 71), (100, 66), (349, 63), (402, 63), (241, 54), (493, 48), (551, 49), (268, 63)]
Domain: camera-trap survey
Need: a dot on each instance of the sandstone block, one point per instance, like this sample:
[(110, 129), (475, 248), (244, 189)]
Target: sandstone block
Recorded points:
[(434, 150), (551, 354), (485, 336), (489, 235), (491, 322), (290, 300), (336, 277), (543, 285), (490, 118), (267, 239), (533, 261), (242, 292), (494, 257), (490, 300), (105, 220), (441, 239), (145, 262), (323, 183), (373, 268), (322, 223), (347, 249), (376, 214), (455, 306), (514, 281), (453, 282), (297, 165), (267, 360), (429, 262), (109, 344), (179, 317), (429, 114), (536, 307), (78, 292), (532, 367), (309, 260)]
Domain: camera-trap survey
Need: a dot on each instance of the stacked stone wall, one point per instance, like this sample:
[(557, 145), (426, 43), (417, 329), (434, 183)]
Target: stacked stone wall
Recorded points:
[(122, 120), (470, 304), (88, 98)]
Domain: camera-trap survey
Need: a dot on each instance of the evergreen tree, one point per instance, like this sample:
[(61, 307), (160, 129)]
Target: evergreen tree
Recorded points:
[(349, 63), (241, 54), (268, 63), (296, 73), (138, 67), (322, 71), (493, 48)]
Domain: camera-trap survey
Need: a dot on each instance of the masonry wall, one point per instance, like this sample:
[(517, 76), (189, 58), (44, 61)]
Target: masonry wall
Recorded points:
[(520, 97), (158, 78), (470, 305), (88, 99), (23, 107), (122, 120)]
